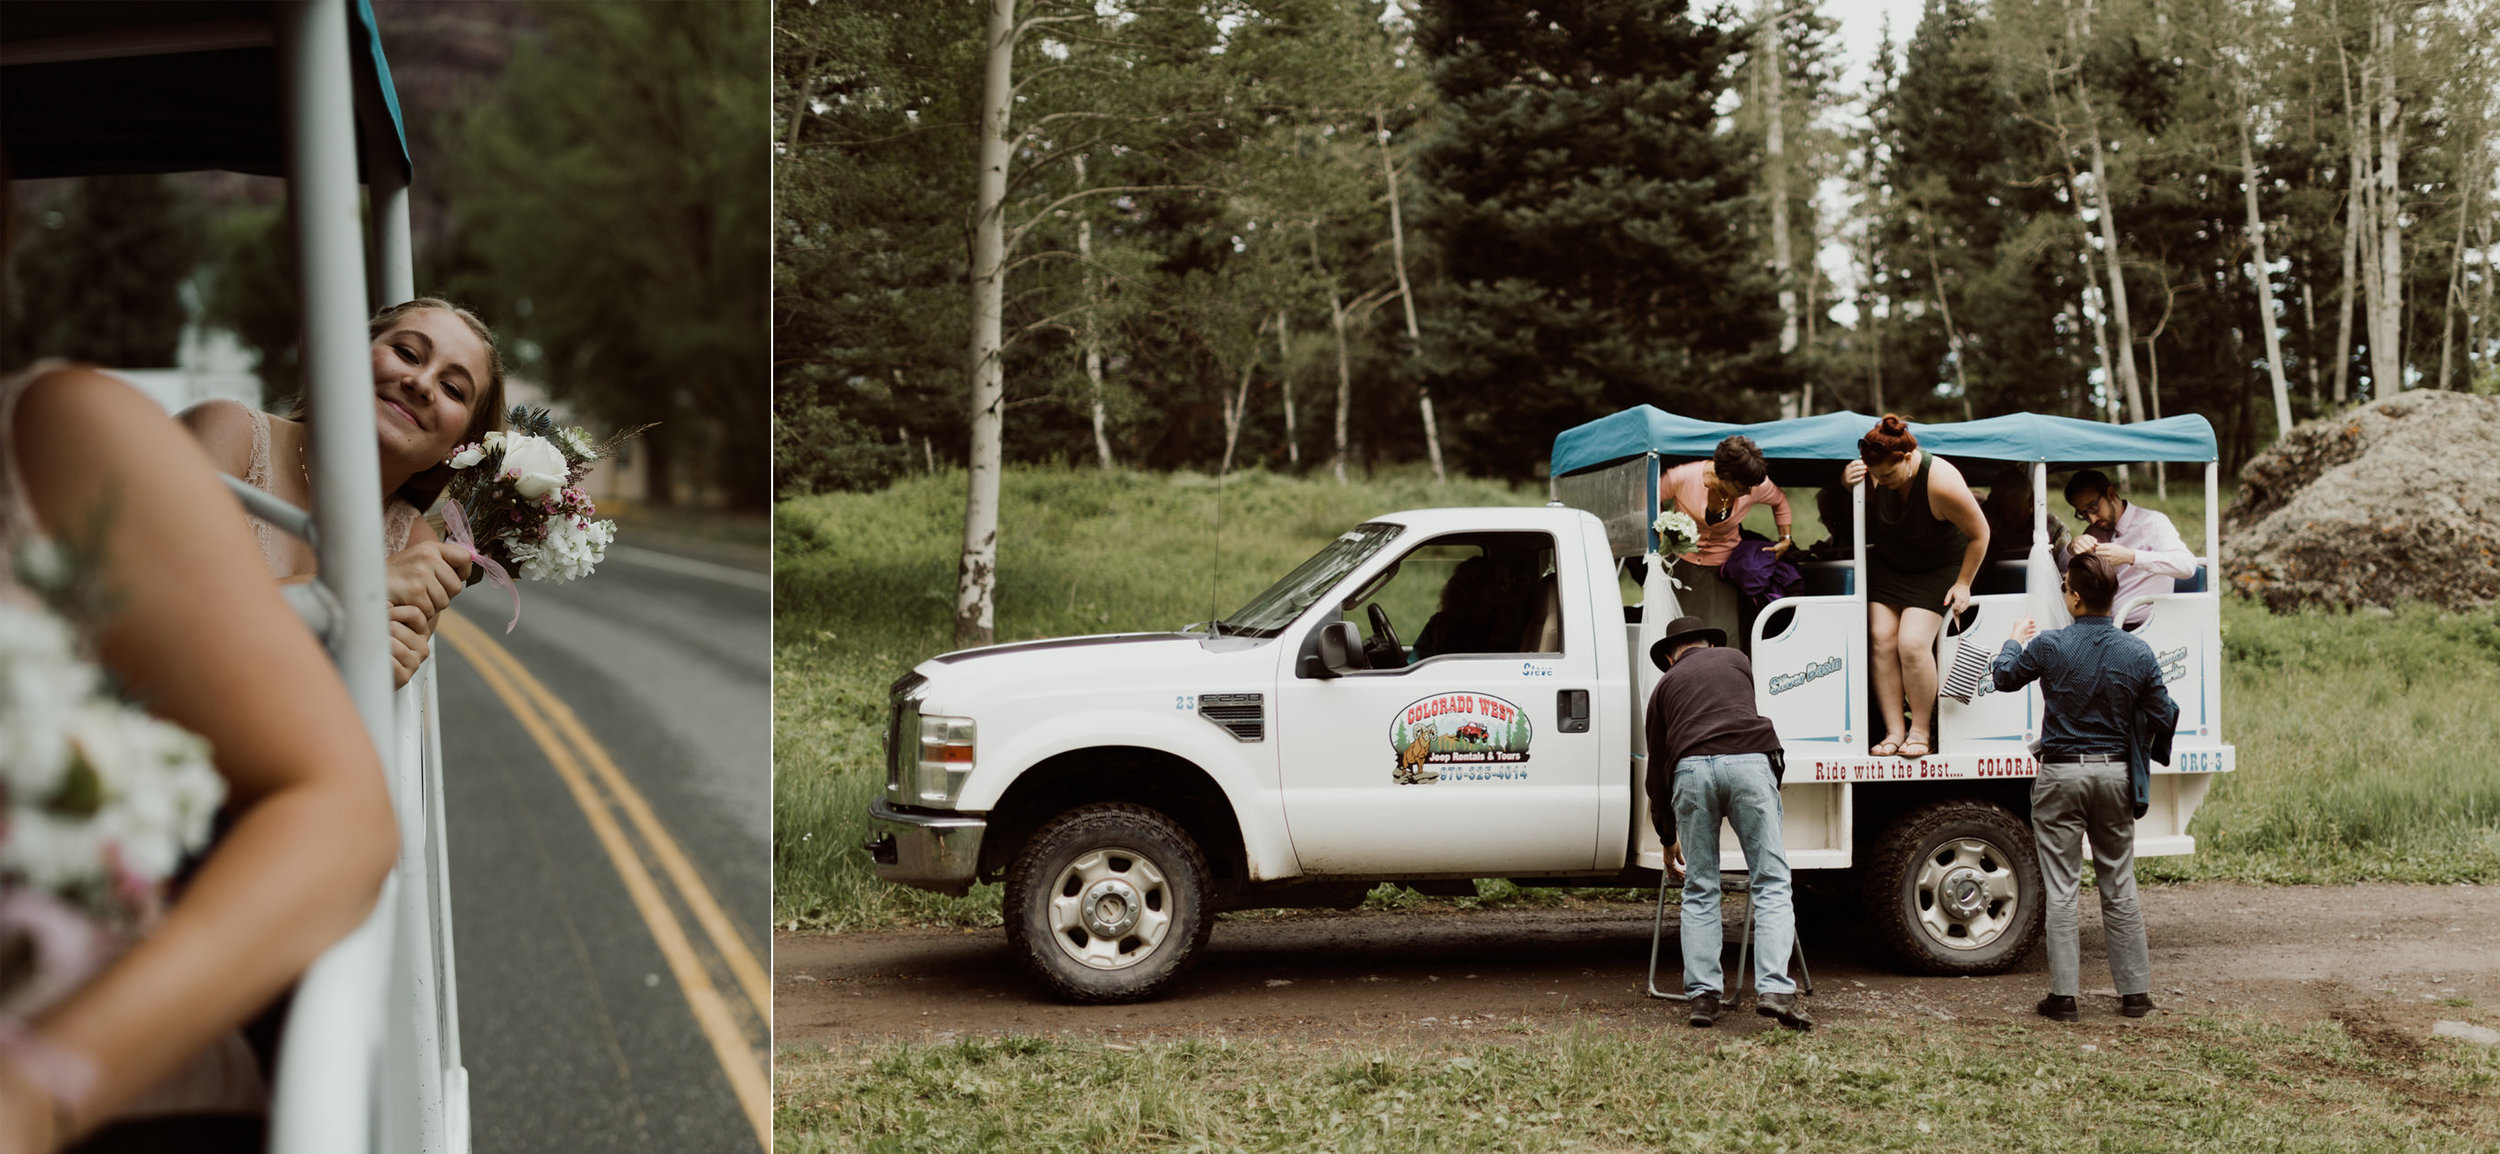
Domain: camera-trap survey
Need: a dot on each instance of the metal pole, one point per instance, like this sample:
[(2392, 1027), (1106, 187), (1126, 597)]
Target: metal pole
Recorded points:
[(2213, 527), (346, 483), (346, 466), (394, 259)]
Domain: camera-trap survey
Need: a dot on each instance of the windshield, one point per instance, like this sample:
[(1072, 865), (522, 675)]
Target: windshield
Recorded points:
[(1271, 611)]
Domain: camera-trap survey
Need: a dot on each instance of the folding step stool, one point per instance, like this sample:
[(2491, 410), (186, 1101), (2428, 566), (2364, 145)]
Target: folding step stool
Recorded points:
[(1730, 882)]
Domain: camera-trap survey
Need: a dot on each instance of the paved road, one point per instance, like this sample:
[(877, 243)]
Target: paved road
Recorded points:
[(607, 791)]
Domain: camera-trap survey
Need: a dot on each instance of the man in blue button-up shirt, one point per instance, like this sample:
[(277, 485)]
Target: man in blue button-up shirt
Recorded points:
[(2095, 680)]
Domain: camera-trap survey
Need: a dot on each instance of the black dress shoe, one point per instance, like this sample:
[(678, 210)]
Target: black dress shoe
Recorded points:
[(1785, 1008), (2136, 1005), (2060, 1008), (1703, 1010)]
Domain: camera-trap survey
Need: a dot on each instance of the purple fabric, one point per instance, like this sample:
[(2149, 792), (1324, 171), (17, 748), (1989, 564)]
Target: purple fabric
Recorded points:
[(1760, 577)]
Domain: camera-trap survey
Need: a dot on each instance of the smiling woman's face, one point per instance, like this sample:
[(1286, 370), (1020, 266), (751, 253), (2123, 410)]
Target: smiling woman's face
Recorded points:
[(428, 368)]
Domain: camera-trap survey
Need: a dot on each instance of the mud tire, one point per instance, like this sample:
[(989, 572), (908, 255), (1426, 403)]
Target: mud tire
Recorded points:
[(1167, 875), (1903, 876)]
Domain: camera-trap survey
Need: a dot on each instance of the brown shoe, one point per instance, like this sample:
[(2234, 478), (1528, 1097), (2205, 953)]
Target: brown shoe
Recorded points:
[(1785, 1008)]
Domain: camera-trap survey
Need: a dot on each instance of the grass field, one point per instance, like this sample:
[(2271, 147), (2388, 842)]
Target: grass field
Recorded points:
[(2365, 740), (2199, 1084)]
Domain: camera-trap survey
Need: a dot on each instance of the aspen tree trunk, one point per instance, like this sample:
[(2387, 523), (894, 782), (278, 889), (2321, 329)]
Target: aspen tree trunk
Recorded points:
[(2264, 279), (1092, 338), (1773, 79), (1406, 295), (2079, 29), (1240, 405), (2095, 301), (1952, 336), (977, 575), (2353, 212), (2456, 281), (798, 108), (1284, 385), (2309, 334), (1874, 324), (2387, 343), (1345, 366)]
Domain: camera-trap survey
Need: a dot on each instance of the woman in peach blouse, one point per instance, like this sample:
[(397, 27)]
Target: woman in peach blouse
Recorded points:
[(1716, 494)]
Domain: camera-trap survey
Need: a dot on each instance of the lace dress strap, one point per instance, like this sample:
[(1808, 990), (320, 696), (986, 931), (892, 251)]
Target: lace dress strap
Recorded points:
[(257, 476), (397, 520)]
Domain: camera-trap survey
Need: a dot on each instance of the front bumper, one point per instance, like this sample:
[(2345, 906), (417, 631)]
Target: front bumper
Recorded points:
[(930, 851)]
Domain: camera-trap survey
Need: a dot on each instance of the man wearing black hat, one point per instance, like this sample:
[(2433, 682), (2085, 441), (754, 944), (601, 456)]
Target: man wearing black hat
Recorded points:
[(1712, 757)]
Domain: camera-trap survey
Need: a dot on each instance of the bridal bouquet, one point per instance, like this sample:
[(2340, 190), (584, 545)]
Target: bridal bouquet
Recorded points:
[(1676, 533), (515, 502), (99, 803)]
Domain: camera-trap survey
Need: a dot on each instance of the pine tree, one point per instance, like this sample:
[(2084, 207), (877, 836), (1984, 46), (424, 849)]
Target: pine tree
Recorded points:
[(1591, 224)]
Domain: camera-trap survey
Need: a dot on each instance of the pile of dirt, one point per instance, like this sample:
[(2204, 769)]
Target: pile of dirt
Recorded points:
[(2394, 501)]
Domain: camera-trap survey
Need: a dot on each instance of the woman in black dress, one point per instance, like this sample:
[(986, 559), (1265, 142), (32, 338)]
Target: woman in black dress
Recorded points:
[(1926, 538)]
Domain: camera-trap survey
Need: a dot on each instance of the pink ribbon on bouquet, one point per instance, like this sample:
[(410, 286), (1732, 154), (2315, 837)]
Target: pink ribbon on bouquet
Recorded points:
[(458, 523)]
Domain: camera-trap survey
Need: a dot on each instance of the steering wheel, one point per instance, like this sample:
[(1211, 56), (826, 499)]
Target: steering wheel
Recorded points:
[(1383, 648)]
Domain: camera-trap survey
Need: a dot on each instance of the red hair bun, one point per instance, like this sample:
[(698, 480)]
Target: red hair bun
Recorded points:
[(1890, 438)]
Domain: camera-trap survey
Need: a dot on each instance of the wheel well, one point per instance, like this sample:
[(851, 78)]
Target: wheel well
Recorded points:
[(1874, 810), (1147, 777)]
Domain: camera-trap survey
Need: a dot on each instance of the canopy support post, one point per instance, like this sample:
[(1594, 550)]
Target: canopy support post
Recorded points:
[(314, 75), (394, 264)]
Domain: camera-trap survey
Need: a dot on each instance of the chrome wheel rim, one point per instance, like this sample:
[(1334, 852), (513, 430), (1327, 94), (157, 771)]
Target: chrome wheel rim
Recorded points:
[(1110, 908), (1965, 894)]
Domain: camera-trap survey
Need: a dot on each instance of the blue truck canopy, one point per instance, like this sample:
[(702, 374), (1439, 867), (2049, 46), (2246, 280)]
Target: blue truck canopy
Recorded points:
[(150, 86), (1811, 449)]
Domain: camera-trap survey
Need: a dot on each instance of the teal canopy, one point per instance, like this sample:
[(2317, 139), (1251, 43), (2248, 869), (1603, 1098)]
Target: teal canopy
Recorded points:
[(2061, 442), (155, 86)]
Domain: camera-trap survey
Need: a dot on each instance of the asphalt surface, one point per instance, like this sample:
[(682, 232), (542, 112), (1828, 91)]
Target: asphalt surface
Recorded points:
[(580, 1029)]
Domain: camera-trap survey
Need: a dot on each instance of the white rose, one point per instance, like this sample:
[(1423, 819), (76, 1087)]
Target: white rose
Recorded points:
[(534, 466), (469, 456)]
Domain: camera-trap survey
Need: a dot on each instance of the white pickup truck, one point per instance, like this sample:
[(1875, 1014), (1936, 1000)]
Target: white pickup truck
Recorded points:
[(1128, 787)]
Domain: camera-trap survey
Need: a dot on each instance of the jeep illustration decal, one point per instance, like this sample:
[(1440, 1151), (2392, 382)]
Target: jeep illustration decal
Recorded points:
[(1452, 737)]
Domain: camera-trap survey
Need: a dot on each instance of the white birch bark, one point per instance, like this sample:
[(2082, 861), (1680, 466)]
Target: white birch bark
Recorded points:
[(1406, 295), (1345, 366), (2079, 28), (2263, 278), (1773, 79), (1284, 385), (1092, 333), (977, 574), (2387, 336)]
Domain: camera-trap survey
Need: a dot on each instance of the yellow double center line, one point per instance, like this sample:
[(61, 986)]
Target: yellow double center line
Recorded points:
[(586, 768)]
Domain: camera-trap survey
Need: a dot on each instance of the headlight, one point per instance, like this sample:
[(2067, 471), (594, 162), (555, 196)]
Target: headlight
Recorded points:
[(945, 760)]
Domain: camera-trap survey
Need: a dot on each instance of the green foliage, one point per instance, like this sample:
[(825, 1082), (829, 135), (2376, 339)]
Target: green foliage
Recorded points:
[(252, 293), (2222, 1084), (612, 193), (97, 274), (1590, 217)]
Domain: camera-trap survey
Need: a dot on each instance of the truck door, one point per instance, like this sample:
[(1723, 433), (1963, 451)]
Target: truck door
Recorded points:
[(1472, 745)]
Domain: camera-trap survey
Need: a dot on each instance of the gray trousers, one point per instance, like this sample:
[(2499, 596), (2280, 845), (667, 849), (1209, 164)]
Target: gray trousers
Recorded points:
[(2070, 801)]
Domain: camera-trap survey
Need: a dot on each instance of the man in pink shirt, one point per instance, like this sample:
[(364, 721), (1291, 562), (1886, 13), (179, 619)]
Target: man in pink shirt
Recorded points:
[(2141, 543)]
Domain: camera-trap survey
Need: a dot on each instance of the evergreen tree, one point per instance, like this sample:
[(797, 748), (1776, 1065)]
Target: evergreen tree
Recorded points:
[(98, 276), (1590, 218)]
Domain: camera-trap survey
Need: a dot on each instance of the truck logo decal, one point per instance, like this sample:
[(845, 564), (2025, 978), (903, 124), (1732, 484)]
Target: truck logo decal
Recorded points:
[(1787, 681), (1453, 737), (2173, 664)]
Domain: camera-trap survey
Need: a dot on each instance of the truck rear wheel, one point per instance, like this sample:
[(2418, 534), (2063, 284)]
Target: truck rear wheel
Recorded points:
[(1108, 903), (1954, 888)]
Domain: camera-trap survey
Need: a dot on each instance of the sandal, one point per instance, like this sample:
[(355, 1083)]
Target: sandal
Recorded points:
[(1923, 748), (1888, 747)]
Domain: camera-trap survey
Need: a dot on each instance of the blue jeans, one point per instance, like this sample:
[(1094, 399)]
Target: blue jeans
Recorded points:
[(1737, 787)]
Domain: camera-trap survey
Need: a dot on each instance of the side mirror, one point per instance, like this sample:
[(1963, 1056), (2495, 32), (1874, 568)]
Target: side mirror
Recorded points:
[(1341, 649)]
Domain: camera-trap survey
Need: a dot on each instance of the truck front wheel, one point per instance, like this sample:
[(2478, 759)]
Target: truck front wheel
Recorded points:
[(1108, 903), (1954, 888)]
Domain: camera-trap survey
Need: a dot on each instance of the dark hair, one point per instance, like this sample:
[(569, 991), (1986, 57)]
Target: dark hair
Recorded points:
[(1738, 459), (2093, 580), (2092, 480), (1890, 438)]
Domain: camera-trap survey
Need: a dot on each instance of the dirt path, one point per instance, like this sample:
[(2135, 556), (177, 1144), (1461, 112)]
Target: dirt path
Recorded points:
[(2384, 959)]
